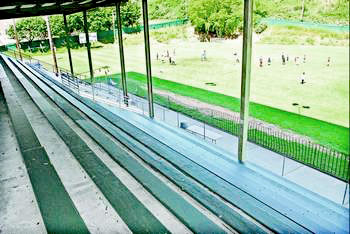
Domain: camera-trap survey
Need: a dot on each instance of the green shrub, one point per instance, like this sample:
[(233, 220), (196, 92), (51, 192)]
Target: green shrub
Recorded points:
[(261, 28), (310, 41)]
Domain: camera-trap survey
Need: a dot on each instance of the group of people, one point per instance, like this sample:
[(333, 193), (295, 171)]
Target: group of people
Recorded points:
[(166, 56)]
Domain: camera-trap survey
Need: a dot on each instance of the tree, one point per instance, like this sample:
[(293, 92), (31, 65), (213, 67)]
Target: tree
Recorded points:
[(216, 17), (168, 9), (29, 29), (99, 19), (130, 13)]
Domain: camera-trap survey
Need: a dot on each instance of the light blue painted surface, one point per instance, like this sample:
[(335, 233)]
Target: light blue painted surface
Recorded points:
[(298, 203)]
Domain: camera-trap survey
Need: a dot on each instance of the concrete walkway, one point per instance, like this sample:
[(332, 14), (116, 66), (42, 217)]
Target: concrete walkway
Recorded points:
[(309, 178)]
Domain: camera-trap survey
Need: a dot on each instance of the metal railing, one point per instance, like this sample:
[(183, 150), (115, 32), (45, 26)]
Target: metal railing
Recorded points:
[(284, 142)]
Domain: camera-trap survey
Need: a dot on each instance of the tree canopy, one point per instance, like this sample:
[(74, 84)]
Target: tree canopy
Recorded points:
[(99, 19), (168, 9), (217, 17), (29, 29)]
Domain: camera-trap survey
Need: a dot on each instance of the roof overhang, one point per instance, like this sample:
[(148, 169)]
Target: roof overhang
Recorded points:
[(26, 8)]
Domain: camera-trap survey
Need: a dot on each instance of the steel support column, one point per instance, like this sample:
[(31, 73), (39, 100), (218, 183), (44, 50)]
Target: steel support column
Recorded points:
[(86, 30), (245, 78), (148, 59), (88, 47), (121, 54), (17, 41), (68, 44), (52, 45)]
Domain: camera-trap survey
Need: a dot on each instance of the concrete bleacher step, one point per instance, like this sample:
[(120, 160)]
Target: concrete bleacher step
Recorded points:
[(131, 210), (172, 202), (332, 214), (229, 170), (274, 223), (332, 218), (47, 186), (183, 210), (18, 204), (268, 174)]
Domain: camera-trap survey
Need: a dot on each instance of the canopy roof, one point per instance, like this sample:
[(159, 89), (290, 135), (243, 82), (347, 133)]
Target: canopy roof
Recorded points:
[(26, 8)]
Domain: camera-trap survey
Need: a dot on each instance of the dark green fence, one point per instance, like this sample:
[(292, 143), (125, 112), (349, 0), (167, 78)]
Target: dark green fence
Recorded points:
[(102, 36), (156, 26), (285, 22)]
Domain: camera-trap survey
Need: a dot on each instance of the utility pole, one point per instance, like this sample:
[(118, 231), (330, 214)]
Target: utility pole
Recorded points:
[(113, 18), (51, 44), (302, 10), (16, 37)]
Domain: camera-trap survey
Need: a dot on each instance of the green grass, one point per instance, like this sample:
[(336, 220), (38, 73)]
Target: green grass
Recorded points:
[(275, 86), (327, 134), (295, 35), (327, 90)]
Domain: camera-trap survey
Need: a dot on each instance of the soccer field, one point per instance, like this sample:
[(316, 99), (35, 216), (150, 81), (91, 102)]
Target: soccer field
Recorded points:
[(326, 90)]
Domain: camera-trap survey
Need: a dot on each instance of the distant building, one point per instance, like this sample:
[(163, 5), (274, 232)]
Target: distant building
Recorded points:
[(4, 25)]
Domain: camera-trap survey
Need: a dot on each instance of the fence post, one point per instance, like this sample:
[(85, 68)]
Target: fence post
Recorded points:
[(284, 161), (204, 130), (344, 197), (178, 120)]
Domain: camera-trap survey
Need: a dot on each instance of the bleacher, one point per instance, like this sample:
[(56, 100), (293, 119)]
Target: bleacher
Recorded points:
[(85, 169)]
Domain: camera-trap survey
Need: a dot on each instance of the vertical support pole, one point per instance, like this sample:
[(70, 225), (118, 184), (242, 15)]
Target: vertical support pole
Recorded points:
[(86, 30), (113, 18), (245, 79), (178, 120), (148, 59), (17, 41), (346, 189), (283, 165), (51, 44), (121, 54), (68, 44)]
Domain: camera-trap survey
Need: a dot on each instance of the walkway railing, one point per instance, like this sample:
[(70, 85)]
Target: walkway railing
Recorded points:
[(286, 143)]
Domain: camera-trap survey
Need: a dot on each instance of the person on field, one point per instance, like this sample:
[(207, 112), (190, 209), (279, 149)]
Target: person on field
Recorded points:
[(269, 61), (283, 59), (304, 59), (173, 60), (157, 56), (235, 58), (260, 62), (204, 56), (303, 78), (328, 61), (296, 60), (287, 58)]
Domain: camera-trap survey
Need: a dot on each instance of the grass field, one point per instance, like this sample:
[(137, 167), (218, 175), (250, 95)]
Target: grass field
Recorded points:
[(326, 90)]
